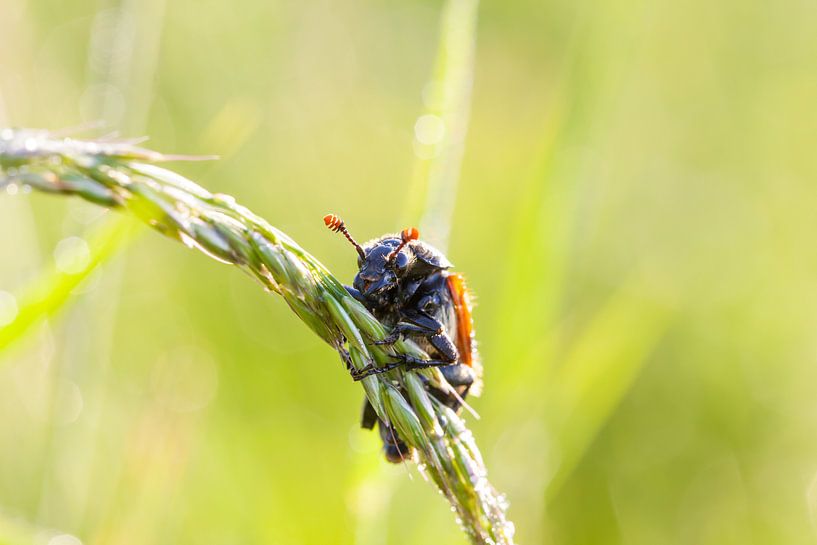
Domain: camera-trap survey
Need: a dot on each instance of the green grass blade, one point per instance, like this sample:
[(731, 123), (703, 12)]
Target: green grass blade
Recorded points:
[(597, 372), (441, 131)]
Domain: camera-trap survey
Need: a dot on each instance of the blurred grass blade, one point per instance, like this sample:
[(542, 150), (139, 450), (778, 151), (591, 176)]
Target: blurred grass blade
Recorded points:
[(539, 248), (597, 372), (439, 134), (46, 295)]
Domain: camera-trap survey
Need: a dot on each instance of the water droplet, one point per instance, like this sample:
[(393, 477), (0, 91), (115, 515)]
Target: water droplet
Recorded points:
[(429, 129), (187, 240), (226, 199), (191, 243), (72, 255)]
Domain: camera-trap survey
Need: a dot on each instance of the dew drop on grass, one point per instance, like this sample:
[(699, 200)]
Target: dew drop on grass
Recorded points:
[(191, 243), (187, 240), (227, 199)]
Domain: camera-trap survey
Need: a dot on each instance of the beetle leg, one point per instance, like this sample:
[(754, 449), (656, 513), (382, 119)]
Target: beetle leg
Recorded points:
[(458, 375), (363, 372), (369, 417), (416, 363), (445, 346), (402, 359), (434, 330), (400, 329), (356, 294), (393, 446), (422, 324), (346, 358), (461, 377), (371, 369)]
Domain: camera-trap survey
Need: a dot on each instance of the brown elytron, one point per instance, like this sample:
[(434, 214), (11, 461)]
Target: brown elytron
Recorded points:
[(465, 323)]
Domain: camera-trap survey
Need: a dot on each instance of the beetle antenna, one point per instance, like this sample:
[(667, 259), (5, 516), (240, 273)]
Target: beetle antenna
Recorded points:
[(336, 224), (406, 236)]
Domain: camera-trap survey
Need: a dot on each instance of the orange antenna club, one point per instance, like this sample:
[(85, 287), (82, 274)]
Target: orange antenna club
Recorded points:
[(406, 236), (336, 224)]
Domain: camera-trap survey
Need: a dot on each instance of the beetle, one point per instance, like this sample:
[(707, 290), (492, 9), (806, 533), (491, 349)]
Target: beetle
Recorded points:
[(409, 286)]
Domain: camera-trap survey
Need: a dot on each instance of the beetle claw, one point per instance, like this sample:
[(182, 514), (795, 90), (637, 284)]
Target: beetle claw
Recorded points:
[(417, 363), (371, 369), (390, 339)]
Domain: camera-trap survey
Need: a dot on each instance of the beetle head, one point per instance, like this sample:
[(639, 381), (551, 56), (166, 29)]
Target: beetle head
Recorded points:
[(382, 263)]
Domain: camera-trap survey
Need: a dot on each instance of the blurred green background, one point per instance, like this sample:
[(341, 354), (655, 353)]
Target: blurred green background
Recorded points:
[(636, 215)]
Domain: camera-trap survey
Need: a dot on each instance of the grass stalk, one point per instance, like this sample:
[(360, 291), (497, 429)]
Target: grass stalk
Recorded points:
[(120, 175), (441, 131)]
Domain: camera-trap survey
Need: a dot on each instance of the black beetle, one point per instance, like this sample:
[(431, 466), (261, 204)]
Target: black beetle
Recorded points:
[(406, 283)]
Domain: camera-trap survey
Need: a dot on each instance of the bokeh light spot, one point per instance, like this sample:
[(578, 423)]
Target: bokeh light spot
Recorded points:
[(429, 129), (64, 539)]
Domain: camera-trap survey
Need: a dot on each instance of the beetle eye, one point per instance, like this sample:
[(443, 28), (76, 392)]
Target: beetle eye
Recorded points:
[(400, 262)]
